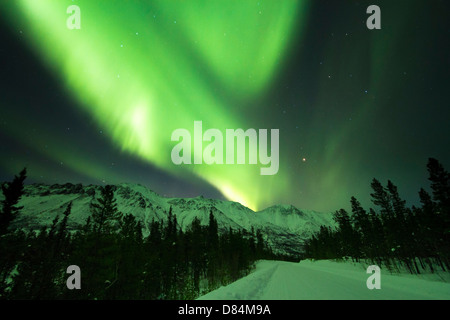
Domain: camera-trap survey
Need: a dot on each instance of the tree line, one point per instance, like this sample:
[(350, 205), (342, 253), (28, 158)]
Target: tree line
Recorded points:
[(417, 237), (115, 259)]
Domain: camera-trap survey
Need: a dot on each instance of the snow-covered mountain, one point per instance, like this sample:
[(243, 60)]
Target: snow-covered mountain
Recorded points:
[(285, 227)]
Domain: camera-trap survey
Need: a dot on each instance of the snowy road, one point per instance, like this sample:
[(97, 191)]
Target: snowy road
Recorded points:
[(278, 280)]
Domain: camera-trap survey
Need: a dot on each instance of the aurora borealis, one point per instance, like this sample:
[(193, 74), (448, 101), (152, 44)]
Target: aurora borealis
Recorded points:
[(99, 104)]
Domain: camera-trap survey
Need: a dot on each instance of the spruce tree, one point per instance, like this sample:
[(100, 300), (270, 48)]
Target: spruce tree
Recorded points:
[(348, 238), (381, 198), (402, 224), (105, 216), (212, 250), (12, 192), (196, 252), (362, 226), (440, 185)]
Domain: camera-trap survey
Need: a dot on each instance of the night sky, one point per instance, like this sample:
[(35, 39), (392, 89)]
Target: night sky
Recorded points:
[(98, 105)]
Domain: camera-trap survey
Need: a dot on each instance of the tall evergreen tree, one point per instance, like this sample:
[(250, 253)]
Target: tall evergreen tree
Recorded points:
[(440, 184), (348, 238), (381, 198), (12, 192), (105, 216), (212, 250), (362, 226), (377, 236), (398, 205)]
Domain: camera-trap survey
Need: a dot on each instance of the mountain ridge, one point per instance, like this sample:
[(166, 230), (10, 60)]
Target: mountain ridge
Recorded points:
[(285, 227)]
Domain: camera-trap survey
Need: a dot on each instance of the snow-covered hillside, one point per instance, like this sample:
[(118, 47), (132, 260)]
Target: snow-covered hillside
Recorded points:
[(327, 280), (285, 227)]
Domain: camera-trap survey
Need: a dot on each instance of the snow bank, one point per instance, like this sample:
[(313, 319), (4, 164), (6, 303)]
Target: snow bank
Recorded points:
[(325, 280)]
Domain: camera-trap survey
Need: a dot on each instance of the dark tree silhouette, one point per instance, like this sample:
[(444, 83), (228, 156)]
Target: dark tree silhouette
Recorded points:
[(12, 191), (395, 234)]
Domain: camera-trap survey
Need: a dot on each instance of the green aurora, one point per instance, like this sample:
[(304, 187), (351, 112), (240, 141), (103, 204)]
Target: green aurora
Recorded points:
[(134, 71), (142, 69)]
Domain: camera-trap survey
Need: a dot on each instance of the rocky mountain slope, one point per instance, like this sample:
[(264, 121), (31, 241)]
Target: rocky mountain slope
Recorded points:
[(284, 226)]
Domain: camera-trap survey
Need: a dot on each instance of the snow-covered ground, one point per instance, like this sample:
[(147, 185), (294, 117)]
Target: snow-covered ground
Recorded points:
[(326, 280)]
